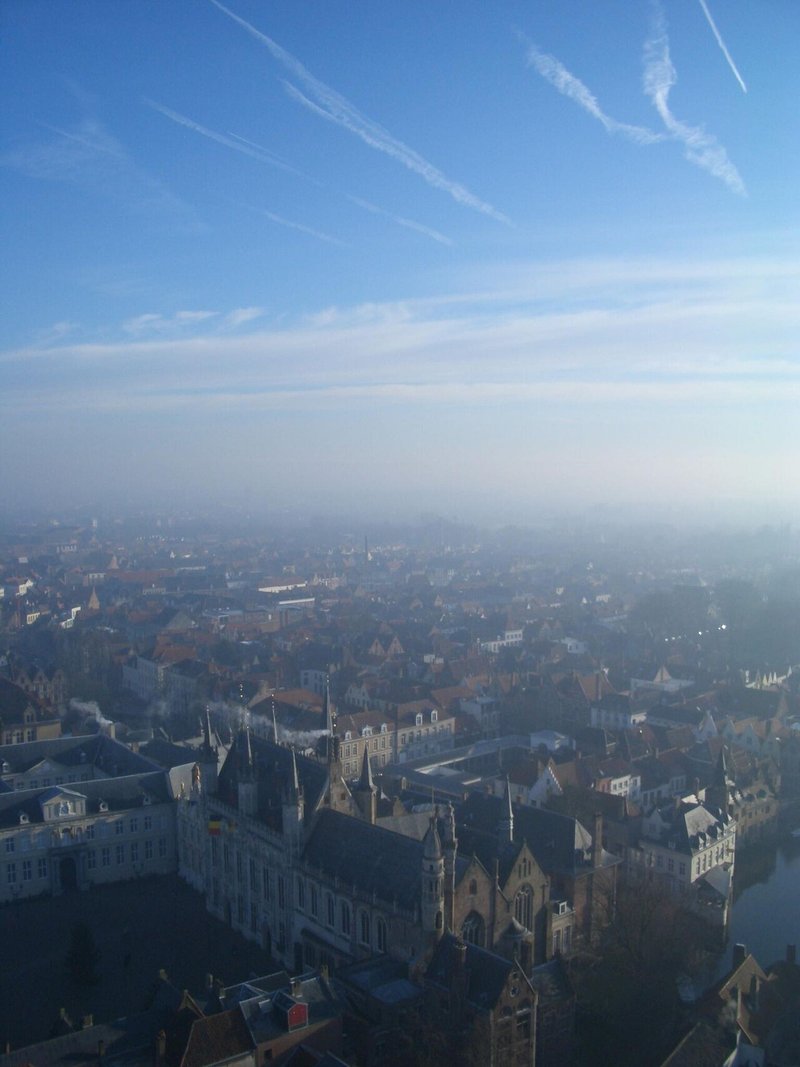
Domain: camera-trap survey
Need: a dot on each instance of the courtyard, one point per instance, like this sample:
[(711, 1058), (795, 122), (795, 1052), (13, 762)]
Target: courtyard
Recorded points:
[(139, 928)]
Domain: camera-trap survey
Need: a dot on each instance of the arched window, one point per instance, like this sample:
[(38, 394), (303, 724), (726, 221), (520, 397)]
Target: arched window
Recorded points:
[(364, 928), (473, 929), (344, 917), (380, 933), (523, 907), (331, 909)]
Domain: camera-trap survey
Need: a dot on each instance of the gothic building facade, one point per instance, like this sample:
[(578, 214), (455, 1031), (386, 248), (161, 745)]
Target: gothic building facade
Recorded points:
[(293, 857)]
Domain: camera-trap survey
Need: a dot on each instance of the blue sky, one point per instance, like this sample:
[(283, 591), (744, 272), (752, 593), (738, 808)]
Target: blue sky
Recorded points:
[(487, 258)]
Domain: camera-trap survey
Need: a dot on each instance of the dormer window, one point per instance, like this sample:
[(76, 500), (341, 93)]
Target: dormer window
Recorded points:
[(103, 805), (383, 728), (348, 736), (434, 716), (23, 819), (418, 719)]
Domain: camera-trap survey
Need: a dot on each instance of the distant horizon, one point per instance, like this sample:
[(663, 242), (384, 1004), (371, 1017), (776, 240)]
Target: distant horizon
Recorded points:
[(484, 260)]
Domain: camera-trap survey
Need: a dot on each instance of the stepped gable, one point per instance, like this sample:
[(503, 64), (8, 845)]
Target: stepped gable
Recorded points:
[(367, 858)]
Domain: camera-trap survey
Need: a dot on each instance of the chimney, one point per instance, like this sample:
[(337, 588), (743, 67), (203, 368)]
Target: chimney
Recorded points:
[(739, 953), (791, 953), (597, 840)]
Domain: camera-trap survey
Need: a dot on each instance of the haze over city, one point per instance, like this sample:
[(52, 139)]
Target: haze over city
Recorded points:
[(482, 258)]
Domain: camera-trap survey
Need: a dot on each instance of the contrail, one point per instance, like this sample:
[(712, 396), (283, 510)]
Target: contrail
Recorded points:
[(700, 147), (247, 148), (281, 221), (427, 231), (722, 45), (336, 108), (554, 71)]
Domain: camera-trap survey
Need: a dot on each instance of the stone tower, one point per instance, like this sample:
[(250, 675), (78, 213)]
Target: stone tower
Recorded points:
[(432, 883)]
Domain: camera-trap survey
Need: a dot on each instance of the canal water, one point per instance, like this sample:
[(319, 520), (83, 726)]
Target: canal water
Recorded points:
[(766, 908)]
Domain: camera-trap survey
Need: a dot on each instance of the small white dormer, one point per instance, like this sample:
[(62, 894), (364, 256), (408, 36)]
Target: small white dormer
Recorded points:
[(103, 805), (348, 735), (434, 715), (146, 801), (23, 819), (418, 719), (366, 731), (384, 727)]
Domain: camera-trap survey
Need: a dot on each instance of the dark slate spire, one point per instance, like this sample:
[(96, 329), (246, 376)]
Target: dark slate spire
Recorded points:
[(365, 783), (505, 828)]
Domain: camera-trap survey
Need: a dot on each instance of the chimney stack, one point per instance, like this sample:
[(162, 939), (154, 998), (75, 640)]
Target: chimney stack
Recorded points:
[(597, 840)]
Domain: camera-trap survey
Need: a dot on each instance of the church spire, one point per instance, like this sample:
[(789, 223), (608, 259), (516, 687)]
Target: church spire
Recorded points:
[(365, 780), (365, 794), (505, 827)]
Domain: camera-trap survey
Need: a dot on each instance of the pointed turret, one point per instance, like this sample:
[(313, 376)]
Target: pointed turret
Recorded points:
[(365, 793), (365, 780), (450, 847), (248, 786), (293, 807), (432, 882), (505, 827)]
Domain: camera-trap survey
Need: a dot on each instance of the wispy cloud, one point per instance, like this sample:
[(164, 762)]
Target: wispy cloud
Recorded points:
[(151, 322), (239, 316), (722, 45), (326, 102), (279, 220), (700, 148), (238, 144), (732, 327), (554, 71), (409, 224), (88, 156)]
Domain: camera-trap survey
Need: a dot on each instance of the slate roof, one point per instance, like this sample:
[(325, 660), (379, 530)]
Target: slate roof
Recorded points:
[(120, 794), (559, 843), (369, 858), (110, 756), (486, 973), (273, 765), (551, 982)]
